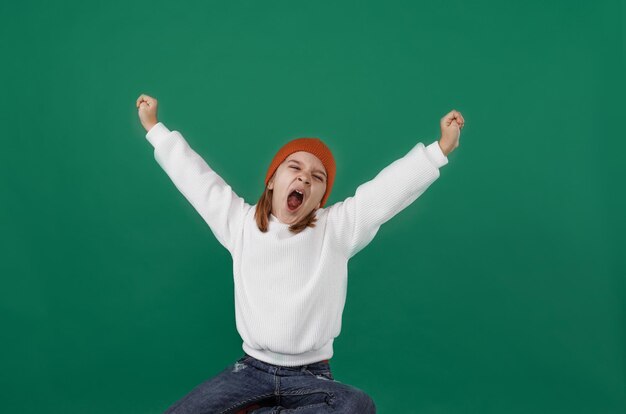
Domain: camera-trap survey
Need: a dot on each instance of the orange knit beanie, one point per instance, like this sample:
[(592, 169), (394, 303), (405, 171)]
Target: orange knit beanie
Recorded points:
[(314, 146)]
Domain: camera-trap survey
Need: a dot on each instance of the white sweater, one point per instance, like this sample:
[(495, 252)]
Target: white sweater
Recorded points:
[(290, 289)]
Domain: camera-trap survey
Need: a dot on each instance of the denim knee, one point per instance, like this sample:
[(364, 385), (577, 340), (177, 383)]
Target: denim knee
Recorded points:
[(358, 401), (368, 405)]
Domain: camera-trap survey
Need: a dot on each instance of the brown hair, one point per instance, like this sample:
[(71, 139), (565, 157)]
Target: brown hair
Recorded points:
[(264, 209)]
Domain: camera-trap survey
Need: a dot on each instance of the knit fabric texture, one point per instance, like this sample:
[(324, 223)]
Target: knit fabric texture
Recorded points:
[(290, 289)]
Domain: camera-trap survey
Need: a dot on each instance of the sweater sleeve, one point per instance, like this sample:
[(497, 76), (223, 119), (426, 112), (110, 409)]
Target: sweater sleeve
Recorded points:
[(208, 193), (357, 219)]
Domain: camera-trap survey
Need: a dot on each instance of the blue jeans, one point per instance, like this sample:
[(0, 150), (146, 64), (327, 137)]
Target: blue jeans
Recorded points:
[(270, 388)]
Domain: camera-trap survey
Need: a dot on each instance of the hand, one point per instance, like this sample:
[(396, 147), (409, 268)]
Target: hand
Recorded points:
[(147, 110), (451, 125)]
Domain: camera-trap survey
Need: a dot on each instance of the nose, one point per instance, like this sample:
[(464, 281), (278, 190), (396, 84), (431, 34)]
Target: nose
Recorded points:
[(307, 181)]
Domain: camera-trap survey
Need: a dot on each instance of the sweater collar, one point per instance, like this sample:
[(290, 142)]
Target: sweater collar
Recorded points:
[(274, 219)]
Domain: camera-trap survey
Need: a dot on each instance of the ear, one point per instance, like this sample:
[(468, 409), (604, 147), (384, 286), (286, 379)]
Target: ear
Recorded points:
[(270, 184)]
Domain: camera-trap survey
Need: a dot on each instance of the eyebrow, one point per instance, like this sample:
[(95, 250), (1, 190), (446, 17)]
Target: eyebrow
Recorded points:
[(320, 171)]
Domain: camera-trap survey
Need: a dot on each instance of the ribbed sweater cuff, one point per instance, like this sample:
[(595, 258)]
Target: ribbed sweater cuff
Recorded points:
[(435, 154), (157, 133)]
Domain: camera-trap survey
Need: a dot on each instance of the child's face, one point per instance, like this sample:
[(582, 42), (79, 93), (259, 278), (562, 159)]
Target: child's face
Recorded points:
[(300, 170)]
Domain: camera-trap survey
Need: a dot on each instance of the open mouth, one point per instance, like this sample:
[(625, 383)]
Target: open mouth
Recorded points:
[(295, 200)]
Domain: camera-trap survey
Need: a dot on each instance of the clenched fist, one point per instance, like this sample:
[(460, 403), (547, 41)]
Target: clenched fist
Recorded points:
[(451, 125), (147, 110)]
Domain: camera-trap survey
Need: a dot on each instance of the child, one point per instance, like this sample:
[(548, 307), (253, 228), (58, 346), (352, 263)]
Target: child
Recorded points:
[(290, 258)]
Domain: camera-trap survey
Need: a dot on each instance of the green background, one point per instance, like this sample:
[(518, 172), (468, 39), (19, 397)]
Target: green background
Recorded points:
[(500, 290)]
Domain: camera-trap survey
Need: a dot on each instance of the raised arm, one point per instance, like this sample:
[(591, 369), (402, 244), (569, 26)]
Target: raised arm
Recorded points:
[(208, 193), (357, 219)]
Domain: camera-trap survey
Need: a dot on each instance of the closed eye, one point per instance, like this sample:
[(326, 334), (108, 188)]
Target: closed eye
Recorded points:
[(297, 168)]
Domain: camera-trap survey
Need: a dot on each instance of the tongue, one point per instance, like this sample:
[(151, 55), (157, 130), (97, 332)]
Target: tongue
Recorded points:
[(293, 202)]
